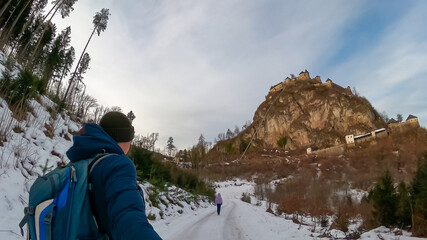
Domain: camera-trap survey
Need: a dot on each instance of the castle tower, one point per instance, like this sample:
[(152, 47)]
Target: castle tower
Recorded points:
[(393, 125), (277, 87), (317, 79), (329, 83), (304, 75), (413, 120)]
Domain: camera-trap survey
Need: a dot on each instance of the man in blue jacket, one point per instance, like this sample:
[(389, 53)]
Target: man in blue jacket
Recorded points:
[(117, 203)]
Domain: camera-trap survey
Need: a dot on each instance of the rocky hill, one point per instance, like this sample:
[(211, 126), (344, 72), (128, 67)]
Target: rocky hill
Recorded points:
[(308, 113)]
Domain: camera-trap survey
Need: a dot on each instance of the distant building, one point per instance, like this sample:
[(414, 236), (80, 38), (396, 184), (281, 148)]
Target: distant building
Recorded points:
[(277, 87), (411, 122), (349, 139), (392, 121), (303, 75), (393, 125)]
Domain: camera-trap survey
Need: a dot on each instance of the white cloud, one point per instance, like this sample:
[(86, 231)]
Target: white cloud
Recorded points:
[(192, 67), (390, 74)]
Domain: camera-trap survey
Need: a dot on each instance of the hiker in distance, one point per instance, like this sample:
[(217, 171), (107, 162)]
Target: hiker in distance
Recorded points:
[(218, 202), (116, 199)]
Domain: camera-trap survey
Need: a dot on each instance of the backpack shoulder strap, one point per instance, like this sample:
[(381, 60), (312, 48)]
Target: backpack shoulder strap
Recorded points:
[(97, 160)]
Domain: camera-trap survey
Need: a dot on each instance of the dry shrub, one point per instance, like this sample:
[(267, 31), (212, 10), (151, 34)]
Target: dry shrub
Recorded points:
[(318, 201), (341, 221), (246, 197), (344, 212), (332, 167), (66, 137), (304, 195), (49, 132), (419, 228), (292, 196), (397, 153), (365, 209), (19, 112), (18, 129)]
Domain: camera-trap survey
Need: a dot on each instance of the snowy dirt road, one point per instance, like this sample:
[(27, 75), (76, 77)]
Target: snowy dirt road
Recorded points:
[(243, 221), (211, 226), (238, 221), (208, 225)]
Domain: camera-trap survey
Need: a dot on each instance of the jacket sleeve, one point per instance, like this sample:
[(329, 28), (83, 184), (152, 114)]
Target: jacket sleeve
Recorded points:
[(126, 208)]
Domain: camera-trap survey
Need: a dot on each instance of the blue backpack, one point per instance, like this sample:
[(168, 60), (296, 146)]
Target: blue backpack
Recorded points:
[(59, 206)]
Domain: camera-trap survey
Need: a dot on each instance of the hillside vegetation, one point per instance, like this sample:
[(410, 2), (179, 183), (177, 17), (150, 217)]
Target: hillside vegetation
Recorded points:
[(161, 173), (342, 186)]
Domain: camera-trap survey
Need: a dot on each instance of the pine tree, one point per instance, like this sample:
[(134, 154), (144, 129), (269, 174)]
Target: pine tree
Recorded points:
[(57, 56), (384, 199), (236, 130), (32, 28), (84, 66), (419, 188), (4, 7), (229, 134), (282, 142), (67, 63), (399, 117), (131, 116), (65, 7), (18, 14), (100, 21), (403, 211), (170, 146)]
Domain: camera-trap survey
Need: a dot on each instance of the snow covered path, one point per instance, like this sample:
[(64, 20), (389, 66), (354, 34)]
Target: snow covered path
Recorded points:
[(238, 221), (208, 225), (243, 221)]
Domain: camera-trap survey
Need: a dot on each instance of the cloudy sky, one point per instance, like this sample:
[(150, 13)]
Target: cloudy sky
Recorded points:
[(191, 67)]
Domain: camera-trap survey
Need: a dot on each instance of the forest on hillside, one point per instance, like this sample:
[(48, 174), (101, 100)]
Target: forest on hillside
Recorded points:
[(379, 183), (38, 57)]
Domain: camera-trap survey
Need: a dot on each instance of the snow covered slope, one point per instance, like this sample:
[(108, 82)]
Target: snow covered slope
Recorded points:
[(26, 153), (34, 146)]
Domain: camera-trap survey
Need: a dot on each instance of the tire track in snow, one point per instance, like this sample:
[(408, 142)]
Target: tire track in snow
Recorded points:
[(231, 228), (214, 227)]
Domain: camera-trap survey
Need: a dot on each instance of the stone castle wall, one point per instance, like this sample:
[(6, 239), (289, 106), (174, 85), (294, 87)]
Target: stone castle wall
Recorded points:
[(401, 127), (305, 76), (335, 150)]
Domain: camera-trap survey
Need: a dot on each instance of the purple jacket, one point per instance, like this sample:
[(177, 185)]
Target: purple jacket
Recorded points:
[(218, 199)]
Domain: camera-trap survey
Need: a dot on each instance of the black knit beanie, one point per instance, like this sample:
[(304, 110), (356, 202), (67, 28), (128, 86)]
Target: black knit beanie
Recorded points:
[(118, 126)]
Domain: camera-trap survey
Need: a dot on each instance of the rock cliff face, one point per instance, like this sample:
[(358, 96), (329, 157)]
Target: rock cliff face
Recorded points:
[(310, 114)]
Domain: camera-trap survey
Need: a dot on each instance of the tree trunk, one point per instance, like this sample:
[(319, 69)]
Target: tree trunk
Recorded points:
[(83, 93), (78, 63), (60, 82), (36, 49), (5, 39), (28, 43), (73, 97), (8, 18), (5, 7), (27, 23), (54, 6)]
